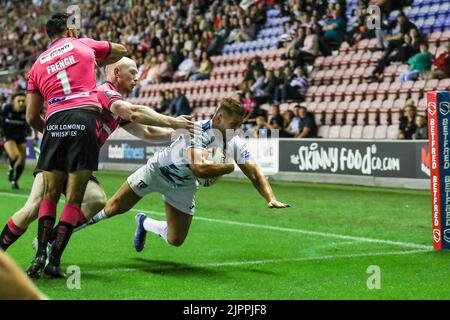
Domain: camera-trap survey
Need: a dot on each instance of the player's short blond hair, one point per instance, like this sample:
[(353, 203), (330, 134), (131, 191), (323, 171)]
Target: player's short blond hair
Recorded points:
[(232, 107)]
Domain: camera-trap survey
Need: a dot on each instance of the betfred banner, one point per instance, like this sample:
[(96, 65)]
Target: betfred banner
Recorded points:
[(439, 153)]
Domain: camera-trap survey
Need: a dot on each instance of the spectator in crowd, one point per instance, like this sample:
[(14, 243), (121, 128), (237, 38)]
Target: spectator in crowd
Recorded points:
[(180, 104), (262, 128), (186, 68), (422, 129), (268, 88), (254, 64), (441, 66), (398, 54), (399, 28), (310, 49), (276, 120), (288, 115), (334, 31), (407, 126), (299, 84), (293, 128), (359, 29), (205, 69), (284, 91), (257, 86), (307, 127), (164, 103), (418, 64), (249, 102)]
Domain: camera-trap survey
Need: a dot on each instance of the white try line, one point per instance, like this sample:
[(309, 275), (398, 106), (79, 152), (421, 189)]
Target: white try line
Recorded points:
[(302, 231), (283, 229), (258, 262)]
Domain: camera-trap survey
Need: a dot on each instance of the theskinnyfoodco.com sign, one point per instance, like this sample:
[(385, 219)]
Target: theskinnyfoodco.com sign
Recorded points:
[(360, 158), (313, 158)]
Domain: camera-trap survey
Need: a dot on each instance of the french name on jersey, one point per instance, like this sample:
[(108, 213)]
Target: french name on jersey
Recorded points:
[(61, 64), (56, 52)]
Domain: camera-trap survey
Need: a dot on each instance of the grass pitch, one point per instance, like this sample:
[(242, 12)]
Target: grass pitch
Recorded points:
[(237, 248)]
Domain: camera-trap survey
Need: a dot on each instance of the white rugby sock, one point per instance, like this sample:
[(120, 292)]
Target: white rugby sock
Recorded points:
[(157, 227), (99, 216)]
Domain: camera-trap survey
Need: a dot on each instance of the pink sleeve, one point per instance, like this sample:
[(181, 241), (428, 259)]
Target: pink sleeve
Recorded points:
[(107, 97), (32, 85), (101, 48)]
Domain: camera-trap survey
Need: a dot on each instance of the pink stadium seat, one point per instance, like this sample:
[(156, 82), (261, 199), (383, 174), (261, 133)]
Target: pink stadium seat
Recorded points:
[(312, 106), (310, 93), (390, 73), (382, 90), (329, 92), (405, 89), (348, 74), (444, 85), (434, 37), (330, 109), (334, 131), (318, 95), (368, 132), (352, 108), (338, 75), (392, 132), (345, 132), (318, 117), (363, 112), (357, 132), (323, 131), (372, 90), (396, 114), (417, 89), (340, 90), (350, 91), (340, 112), (380, 132), (361, 91), (318, 63), (394, 90), (356, 58)]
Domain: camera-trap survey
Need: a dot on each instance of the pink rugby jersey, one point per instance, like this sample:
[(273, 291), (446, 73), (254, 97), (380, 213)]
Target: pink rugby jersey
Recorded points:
[(64, 74), (106, 95)]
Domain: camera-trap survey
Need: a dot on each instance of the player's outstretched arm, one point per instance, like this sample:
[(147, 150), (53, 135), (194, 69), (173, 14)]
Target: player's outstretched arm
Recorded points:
[(118, 51), (149, 133), (205, 169), (148, 116), (14, 284), (34, 103), (260, 182)]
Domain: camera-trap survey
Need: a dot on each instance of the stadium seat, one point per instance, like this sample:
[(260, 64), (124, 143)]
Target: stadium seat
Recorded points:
[(345, 132), (380, 132), (322, 132), (357, 132), (334, 131), (392, 132), (368, 132)]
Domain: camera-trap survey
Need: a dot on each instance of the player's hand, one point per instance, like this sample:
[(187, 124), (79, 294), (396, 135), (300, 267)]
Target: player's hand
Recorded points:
[(277, 204), (185, 122)]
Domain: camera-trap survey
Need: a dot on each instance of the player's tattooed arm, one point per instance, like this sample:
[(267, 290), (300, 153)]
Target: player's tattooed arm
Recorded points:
[(260, 182), (149, 133), (205, 169), (148, 116), (118, 51), (34, 102)]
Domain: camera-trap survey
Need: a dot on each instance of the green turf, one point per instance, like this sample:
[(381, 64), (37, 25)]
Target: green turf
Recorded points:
[(222, 260)]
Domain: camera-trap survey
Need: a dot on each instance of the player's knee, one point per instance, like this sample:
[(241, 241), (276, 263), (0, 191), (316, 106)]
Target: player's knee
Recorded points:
[(176, 241)]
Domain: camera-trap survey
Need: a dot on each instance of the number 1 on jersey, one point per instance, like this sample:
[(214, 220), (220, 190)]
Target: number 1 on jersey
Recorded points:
[(62, 75)]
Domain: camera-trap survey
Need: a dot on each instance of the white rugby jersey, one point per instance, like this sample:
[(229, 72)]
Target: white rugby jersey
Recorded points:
[(172, 164)]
